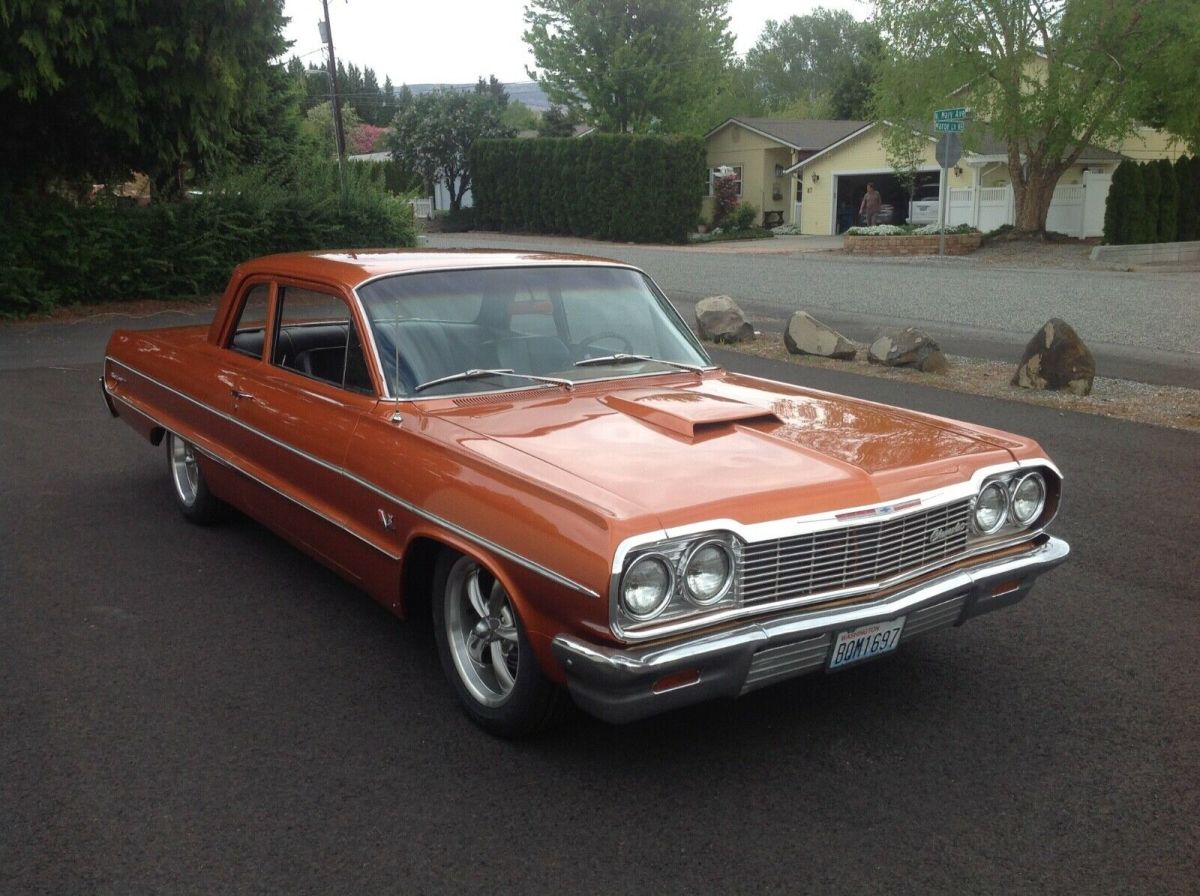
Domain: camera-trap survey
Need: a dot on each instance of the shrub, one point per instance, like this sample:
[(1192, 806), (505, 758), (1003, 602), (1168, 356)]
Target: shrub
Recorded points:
[(1145, 229), (744, 216), (1187, 176), (587, 187), (54, 253), (1117, 206), (1168, 203)]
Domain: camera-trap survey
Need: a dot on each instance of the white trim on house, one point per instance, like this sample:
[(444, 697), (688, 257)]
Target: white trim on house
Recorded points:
[(754, 130), (830, 148)]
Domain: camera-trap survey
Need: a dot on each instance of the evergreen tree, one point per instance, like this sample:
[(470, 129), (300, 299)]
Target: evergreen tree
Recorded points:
[(1183, 176), (1168, 202), (1147, 226), (92, 90), (1135, 205), (1116, 208), (1188, 174), (557, 122)]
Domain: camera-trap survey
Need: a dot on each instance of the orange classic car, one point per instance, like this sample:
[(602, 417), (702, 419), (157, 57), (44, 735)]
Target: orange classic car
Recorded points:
[(539, 447)]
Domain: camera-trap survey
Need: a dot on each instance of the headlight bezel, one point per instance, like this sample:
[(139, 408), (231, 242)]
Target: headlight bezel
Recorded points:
[(1043, 494), (996, 486), (1008, 482), (727, 583), (664, 600), (676, 554)]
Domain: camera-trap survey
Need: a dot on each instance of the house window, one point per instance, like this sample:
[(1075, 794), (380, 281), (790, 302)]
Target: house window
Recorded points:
[(737, 174)]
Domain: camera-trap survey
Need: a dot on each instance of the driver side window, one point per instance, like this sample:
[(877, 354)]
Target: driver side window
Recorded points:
[(317, 338)]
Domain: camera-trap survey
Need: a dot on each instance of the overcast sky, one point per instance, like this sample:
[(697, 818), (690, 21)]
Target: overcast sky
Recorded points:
[(457, 41)]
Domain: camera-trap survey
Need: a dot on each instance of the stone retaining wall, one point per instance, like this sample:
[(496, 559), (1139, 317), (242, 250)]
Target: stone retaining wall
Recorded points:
[(913, 244)]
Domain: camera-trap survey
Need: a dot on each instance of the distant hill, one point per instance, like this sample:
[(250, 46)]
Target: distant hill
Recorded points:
[(526, 92)]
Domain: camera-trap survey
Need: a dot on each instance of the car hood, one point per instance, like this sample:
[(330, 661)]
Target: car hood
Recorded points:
[(731, 447)]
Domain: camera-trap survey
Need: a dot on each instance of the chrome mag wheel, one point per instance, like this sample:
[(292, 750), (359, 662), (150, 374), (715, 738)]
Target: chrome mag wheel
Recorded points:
[(481, 632), (188, 485), (185, 472)]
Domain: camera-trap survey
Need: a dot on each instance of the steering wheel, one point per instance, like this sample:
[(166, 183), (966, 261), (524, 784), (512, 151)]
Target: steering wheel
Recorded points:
[(625, 347)]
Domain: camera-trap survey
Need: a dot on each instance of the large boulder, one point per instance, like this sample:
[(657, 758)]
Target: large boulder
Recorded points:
[(1056, 358), (909, 347), (721, 320), (805, 335)]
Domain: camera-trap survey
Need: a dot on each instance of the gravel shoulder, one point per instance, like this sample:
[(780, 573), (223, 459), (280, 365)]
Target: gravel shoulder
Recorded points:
[(1171, 406)]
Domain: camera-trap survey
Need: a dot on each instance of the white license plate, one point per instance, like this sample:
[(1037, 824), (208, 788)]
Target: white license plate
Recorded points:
[(865, 643)]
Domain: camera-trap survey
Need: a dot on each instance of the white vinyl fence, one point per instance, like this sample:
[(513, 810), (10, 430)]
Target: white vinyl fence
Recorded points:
[(422, 208), (1076, 210)]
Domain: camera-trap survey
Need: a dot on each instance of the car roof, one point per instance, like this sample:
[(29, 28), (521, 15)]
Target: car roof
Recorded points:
[(352, 267)]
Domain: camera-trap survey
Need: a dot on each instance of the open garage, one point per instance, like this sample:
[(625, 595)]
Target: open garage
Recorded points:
[(849, 190)]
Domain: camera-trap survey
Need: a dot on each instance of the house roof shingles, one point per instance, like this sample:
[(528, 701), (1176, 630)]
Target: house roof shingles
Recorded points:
[(802, 134)]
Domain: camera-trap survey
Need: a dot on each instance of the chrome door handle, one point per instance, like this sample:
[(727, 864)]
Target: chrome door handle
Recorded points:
[(239, 395)]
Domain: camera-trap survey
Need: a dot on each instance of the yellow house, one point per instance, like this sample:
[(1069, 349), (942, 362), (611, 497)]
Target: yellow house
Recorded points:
[(832, 183), (760, 150)]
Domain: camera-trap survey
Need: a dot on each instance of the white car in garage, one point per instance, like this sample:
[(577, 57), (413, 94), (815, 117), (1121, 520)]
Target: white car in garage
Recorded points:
[(923, 209)]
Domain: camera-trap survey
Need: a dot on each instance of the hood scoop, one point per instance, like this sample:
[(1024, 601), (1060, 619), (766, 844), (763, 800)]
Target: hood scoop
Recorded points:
[(685, 413)]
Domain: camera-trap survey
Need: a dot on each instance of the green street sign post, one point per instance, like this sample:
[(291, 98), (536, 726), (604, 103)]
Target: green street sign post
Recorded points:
[(950, 122)]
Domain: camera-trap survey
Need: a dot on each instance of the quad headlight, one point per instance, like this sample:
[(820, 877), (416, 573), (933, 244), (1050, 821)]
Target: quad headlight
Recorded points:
[(647, 587), (1009, 502), (680, 577), (1028, 498), (991, 508), (708, 573)]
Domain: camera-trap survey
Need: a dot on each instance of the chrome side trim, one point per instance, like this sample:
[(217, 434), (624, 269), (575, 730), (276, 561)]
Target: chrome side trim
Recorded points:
[(466, 534), (207, 451)]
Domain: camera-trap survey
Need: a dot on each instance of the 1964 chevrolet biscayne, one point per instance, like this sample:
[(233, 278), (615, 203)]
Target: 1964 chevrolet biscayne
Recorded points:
[(538, 445)]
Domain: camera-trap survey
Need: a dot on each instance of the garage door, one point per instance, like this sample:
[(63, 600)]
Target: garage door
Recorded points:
[(852, 187)]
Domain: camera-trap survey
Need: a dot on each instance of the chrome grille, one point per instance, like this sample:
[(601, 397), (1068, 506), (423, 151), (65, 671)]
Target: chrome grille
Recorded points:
[(818, 562)]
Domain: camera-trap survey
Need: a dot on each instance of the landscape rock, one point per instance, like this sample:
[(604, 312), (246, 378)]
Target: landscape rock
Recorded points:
[(909, 347), (721, 320), (1056, 359), (805, 335)]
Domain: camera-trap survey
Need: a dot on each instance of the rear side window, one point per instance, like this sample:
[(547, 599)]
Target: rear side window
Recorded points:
[(251, 327), (317, 338)]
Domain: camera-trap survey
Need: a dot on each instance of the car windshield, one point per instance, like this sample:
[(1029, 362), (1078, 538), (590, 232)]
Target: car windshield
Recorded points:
[(486, 330)]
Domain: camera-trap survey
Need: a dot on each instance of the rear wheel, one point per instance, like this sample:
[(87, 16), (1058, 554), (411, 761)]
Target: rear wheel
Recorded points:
[(192, 496), (485, 652)]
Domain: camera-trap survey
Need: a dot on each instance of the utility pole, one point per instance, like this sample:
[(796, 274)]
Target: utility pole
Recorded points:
[(339, 134)]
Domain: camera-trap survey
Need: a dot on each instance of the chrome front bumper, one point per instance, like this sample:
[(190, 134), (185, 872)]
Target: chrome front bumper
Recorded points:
[(622, 685)]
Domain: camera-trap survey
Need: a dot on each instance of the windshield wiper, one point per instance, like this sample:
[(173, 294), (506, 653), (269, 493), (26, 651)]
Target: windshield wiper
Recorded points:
[(474, 374), (621, 358)]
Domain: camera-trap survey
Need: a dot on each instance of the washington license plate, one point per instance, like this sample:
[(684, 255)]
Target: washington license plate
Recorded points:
[(865, 643)]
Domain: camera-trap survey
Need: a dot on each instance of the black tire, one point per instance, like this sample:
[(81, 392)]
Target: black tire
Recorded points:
[(188, 486), (496, 677)]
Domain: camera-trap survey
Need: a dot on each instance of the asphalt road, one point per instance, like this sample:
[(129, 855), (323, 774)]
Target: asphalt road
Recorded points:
[(1139, 325), (190, 710)]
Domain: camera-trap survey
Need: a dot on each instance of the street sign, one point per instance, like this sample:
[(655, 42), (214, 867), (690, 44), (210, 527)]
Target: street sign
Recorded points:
[(951, 127), (959, 114), (949, 150)]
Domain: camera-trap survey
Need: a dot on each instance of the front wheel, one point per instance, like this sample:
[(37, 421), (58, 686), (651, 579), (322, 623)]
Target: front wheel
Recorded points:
[(485, 652), (192, 496)]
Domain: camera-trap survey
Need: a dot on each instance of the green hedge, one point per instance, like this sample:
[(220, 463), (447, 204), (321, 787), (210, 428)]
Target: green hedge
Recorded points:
[(610, 187), (1154, 202), (53, 252)]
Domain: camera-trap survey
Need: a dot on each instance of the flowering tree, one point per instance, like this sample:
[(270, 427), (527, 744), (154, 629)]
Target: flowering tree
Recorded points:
[(725, 198)]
